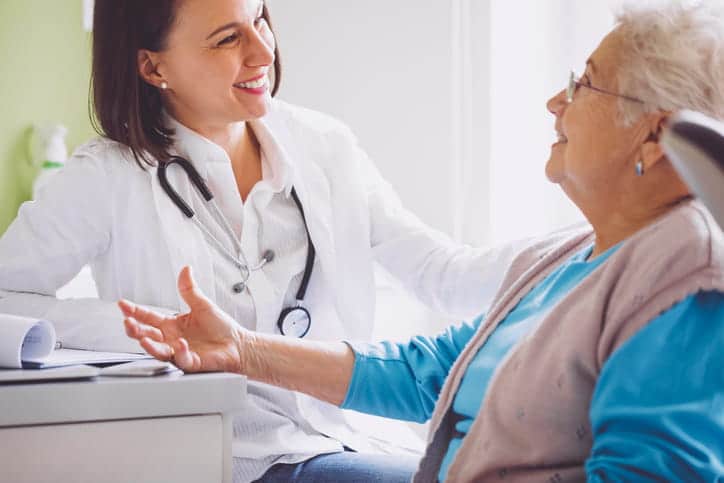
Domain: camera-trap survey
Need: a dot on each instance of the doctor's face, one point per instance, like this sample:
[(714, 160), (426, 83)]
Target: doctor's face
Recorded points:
[(216, 63)]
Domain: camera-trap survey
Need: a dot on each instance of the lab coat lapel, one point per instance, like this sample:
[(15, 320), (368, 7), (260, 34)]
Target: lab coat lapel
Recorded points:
[(314, 194), (184, 242), (311, 186)]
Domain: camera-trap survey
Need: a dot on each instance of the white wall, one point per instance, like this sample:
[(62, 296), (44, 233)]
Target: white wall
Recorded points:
[(385, 68), (448, 97), (534, 45), (402, 75)]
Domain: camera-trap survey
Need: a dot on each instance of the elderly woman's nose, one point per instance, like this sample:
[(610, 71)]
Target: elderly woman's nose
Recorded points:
[(557, 103)]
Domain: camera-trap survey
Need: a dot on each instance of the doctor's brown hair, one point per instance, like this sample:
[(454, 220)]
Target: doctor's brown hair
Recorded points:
[(124, 107)]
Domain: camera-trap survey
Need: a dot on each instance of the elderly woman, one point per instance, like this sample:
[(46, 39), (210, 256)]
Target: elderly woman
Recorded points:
[(601, 356)]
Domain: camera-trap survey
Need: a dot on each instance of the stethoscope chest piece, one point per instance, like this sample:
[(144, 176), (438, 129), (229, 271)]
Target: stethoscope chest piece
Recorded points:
[(294, 321)]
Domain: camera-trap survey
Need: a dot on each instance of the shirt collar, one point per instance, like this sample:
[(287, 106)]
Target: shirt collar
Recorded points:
[(200, 151), (278, 160), (194, 147)]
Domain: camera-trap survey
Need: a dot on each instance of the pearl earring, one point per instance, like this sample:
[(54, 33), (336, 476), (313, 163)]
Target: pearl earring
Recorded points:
[(640, 168), (164, 85)]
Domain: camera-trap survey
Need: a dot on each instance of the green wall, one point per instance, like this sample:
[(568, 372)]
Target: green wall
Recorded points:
[(44, 76)]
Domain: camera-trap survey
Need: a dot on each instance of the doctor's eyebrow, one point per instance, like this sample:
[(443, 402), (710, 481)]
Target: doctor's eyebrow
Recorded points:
[(259, 11)]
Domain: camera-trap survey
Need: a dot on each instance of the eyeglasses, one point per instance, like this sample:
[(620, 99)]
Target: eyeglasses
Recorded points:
[(575, 82)]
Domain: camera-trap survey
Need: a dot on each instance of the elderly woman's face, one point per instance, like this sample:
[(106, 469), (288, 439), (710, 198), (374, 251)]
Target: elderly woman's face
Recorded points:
[(594, 148)]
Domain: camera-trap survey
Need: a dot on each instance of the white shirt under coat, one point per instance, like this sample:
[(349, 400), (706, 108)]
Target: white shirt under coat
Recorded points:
[(268, 220), (272, 429), (103, 210)]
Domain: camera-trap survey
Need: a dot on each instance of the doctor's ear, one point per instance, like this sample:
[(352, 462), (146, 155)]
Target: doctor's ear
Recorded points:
[(148, 63)]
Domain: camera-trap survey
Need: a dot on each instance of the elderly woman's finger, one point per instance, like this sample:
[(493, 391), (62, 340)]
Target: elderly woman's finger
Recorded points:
[(137, 330), (141, 314), (190, 291), (159, 350), (184, 358)]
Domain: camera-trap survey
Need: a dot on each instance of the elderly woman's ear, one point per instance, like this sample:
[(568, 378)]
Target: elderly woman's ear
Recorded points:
[(651, 150)]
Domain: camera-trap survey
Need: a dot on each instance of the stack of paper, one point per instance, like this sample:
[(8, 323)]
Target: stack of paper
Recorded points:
[(29, 344)]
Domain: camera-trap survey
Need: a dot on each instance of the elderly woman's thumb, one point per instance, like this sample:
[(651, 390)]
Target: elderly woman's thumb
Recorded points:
[(190, 291)]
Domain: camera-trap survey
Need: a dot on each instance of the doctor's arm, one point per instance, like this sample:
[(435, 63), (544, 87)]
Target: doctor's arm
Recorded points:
[(453, 278), (46, 246), (394, 380)]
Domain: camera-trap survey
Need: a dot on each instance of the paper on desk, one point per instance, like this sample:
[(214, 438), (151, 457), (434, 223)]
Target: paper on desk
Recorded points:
[(23, 339), (29, 343), (70, 357)]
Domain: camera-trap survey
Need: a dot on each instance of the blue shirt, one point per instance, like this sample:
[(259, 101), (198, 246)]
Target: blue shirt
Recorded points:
[(674, 431)]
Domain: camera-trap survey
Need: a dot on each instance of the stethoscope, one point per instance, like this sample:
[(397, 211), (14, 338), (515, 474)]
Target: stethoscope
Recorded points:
[(293, 321)]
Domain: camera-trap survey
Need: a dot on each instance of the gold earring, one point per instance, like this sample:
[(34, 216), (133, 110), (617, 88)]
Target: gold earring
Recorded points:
[(164, 85)]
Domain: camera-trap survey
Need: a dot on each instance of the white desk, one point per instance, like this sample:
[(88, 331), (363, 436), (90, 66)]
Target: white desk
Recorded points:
[(174, 428)]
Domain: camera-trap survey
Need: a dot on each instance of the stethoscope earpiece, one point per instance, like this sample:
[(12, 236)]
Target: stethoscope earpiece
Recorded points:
[(266, 257)]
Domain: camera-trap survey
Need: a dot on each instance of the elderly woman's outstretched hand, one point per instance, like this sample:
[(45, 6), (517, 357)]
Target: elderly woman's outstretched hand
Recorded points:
[(203, 340), (207, 339)]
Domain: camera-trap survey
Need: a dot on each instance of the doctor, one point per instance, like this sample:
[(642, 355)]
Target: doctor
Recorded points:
[(183, 96)]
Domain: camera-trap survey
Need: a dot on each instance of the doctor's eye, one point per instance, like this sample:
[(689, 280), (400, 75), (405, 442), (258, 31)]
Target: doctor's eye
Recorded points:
[(228, 40)]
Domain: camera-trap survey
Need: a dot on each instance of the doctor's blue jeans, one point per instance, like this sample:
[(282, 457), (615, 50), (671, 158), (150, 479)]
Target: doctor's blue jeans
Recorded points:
[(345, 467)]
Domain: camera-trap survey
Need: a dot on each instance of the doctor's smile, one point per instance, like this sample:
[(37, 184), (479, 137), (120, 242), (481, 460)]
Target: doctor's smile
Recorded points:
[(258, 85), (255, 247)]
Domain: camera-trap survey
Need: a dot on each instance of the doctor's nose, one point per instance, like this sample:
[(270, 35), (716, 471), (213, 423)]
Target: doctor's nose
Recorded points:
[(259, 50)]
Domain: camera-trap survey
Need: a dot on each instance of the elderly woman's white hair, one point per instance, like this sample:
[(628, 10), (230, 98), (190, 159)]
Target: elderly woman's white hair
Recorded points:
[(673, 56)]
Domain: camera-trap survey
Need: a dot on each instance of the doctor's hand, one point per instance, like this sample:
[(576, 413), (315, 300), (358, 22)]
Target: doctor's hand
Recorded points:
[(205, 339)]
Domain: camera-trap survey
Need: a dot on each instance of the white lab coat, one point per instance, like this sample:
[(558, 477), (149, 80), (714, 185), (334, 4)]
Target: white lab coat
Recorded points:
[(103, 210)]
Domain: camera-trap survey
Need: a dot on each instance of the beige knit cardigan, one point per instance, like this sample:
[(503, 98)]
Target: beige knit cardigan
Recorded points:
[(533, 425)]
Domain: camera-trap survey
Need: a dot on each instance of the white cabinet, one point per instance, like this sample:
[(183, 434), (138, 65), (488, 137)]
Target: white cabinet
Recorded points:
[(178, 449), (175, 428)]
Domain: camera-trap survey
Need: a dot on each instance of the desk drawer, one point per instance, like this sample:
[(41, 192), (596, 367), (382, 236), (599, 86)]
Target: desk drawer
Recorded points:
[(175, 450)]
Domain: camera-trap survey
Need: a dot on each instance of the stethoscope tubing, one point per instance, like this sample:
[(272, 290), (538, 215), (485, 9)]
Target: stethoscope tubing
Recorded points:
[(241, 263)]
